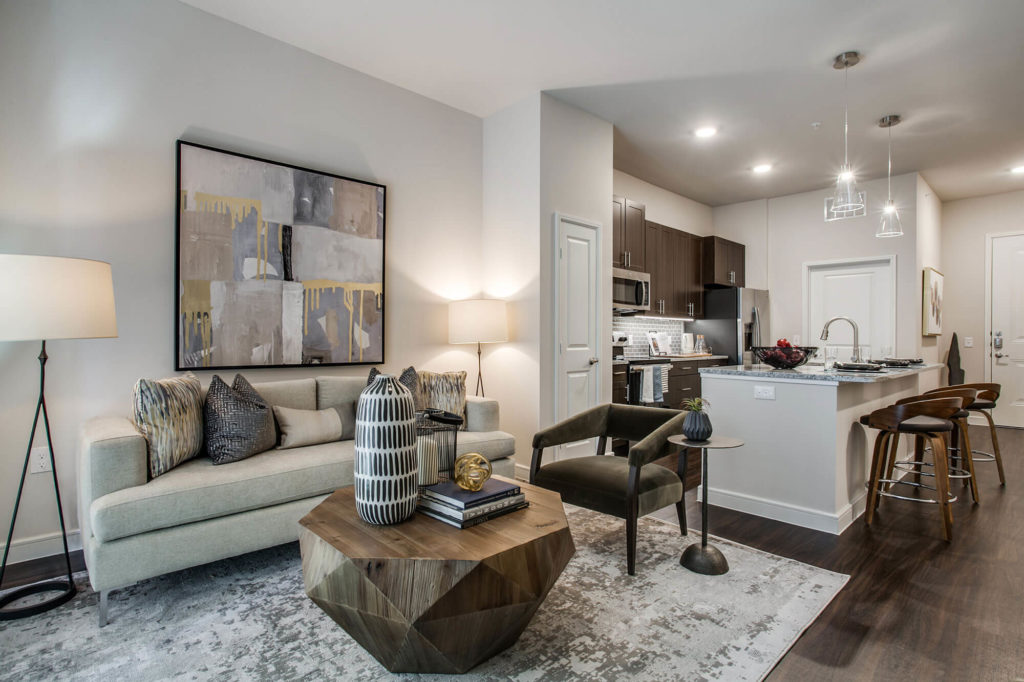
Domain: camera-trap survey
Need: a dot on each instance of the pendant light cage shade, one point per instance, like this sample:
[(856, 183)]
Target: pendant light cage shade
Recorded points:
[(890, 225), (847, 200)]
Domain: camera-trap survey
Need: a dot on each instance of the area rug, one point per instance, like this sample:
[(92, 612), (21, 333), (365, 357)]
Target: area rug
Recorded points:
[(248, 619)]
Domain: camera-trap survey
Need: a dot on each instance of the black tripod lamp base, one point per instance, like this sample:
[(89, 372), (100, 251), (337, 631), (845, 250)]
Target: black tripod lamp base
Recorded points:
[(65, 589), (704, 559)]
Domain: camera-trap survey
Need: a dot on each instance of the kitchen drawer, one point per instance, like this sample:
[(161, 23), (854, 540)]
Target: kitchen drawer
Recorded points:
[(717, 362), (683, 368)]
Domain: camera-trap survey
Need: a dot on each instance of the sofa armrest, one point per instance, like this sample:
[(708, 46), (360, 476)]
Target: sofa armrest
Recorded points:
[(481, 414), (112, 455)]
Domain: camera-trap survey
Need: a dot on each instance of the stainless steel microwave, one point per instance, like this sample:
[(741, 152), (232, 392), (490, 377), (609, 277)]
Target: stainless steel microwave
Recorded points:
[(631, 291)]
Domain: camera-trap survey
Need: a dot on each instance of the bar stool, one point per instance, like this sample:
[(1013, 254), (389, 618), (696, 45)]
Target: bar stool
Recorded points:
[(959, 442), (988, 394), (927, 419)]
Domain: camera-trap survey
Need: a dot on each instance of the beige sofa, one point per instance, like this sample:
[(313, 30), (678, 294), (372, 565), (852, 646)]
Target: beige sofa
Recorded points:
[(133, 528)]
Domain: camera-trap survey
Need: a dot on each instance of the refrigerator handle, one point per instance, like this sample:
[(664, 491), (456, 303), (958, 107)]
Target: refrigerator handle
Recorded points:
[(757, 327)]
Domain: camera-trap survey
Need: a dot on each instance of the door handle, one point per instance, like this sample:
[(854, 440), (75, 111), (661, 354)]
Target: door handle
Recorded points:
[(1000, 355), (594, 361)]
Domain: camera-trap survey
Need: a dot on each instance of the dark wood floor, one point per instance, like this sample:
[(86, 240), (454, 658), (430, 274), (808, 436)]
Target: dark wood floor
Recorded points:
[(915, 607)]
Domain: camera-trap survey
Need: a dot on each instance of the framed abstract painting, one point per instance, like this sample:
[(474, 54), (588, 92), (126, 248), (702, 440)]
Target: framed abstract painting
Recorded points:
[(931, 303), (277, 265)]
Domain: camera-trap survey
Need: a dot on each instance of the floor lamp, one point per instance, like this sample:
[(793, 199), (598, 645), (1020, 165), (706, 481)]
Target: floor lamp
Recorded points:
[(44, 298), (480, 320)]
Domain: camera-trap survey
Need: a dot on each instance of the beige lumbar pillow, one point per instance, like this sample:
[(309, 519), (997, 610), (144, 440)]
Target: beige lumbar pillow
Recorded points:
[(307, 427)]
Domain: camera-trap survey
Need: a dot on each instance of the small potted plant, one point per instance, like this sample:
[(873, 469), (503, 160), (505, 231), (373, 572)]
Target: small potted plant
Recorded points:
[(696, 425)]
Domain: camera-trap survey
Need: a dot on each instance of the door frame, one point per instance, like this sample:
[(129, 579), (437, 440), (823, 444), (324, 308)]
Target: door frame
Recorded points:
[(989, 237), (558, 218), (810, 265)]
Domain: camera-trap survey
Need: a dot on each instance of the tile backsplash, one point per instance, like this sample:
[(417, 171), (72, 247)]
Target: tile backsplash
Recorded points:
[(639, 326)]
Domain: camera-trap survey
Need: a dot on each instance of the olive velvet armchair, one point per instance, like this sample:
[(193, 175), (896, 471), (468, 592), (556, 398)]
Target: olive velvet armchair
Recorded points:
[(626, 487)]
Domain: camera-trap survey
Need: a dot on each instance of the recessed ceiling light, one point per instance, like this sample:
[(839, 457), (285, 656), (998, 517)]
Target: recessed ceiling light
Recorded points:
[(1019, 170), (707, 131), (762, 168)]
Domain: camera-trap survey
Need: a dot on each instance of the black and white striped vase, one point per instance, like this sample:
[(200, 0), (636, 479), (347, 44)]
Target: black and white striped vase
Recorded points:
[(385, 468)]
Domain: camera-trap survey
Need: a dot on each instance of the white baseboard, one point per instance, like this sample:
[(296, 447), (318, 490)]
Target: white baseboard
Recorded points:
[(522, 472), (787, 513), (39, 546)]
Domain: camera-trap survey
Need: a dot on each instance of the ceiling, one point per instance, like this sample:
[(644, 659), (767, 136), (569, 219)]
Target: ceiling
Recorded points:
[(658, 69)]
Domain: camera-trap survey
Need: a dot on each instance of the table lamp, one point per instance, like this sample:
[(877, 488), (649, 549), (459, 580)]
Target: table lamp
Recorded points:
[(479, 320), (41, 298)]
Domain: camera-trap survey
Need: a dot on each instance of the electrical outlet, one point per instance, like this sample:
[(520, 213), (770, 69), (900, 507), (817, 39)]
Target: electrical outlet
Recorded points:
[(968, 342), (764, 393), (40, 459)]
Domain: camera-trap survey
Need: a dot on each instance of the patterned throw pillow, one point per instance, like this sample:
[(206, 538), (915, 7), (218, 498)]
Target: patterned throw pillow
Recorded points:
[(411, 380), (445, 391), (169, 415), (239, 423)]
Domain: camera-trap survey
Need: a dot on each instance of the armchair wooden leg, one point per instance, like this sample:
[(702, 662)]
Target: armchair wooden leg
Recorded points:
[(602, 445), (631, 540), (538, 453)]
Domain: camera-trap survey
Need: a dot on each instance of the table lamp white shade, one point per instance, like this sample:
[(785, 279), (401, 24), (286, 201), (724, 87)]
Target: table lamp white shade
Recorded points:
[(480, 320), (46, 297)]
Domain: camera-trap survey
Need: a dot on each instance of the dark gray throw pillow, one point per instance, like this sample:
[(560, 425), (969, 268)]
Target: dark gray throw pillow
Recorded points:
[(238, 423)]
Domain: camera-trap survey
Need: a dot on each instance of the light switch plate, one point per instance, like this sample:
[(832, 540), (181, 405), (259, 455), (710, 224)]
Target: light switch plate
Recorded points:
[(968, 342), (764, 393)]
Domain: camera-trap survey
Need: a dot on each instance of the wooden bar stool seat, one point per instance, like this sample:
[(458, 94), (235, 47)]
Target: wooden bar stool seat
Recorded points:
[(960, 466), (927, 420), (988, 395)]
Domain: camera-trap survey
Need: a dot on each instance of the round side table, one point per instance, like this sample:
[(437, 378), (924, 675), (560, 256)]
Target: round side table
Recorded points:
[(704, 558)]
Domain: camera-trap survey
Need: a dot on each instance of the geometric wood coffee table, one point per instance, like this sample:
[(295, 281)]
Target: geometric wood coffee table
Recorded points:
[(423, 596)]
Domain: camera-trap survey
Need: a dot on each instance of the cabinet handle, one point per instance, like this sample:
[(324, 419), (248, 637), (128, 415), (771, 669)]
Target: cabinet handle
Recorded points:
[(627, 259), (732, 277)]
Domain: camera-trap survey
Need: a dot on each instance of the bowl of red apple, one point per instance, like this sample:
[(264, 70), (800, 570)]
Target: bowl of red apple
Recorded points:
[(783, 355)]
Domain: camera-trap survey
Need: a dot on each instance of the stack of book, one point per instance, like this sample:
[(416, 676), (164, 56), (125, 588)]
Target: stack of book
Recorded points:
[(447, 502)]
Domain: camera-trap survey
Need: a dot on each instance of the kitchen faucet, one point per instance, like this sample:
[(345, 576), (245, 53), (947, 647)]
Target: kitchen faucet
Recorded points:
[(856, 336)]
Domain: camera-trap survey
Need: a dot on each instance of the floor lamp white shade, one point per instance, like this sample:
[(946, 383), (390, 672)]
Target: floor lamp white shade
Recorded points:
[(46, 297), (480, 320)]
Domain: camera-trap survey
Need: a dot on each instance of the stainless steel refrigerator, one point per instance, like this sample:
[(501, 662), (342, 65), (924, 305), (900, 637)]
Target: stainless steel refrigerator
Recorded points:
[(734, 320)]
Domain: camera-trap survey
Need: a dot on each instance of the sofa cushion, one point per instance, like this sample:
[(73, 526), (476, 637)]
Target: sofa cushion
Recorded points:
[(491, 444), (169, 415), (238, 421), (198, 490), (599, 482), (307, 427), (340, 394), (298, 394)]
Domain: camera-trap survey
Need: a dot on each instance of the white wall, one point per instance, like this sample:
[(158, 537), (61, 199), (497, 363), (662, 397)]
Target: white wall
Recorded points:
[(510, 263), (797, 233), (964, 225), (663, 206), (576, 180), (95, 96), (747, 223), (929, 255)]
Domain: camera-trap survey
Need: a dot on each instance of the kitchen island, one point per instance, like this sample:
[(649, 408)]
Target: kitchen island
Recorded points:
[(806, 457)]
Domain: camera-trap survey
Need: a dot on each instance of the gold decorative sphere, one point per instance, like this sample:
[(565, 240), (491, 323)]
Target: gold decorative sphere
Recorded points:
[(471, 470)]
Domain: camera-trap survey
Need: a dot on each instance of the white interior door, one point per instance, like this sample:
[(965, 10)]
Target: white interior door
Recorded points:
[(863, 290), (579, 323), (1007, 317)]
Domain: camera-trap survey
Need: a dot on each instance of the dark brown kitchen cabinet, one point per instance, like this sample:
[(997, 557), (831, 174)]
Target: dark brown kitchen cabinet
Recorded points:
[(724, 263), (674, 263), (689, 281), (628, 234)]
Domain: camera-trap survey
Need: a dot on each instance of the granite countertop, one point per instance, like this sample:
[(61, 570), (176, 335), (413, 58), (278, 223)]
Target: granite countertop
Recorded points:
[(816, 373)]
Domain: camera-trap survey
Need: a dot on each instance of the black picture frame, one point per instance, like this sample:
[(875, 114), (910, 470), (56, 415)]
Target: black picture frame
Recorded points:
[(185, 360)]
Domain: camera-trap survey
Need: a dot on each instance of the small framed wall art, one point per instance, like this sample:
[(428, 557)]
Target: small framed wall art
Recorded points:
[(931, 302), (277, 265)]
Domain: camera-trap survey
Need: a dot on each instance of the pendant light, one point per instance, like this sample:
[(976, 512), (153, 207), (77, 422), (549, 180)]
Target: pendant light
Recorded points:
[(889, 225), (846, 197)]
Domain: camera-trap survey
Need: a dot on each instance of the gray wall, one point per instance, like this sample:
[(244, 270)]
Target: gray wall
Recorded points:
[(95, 94)]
